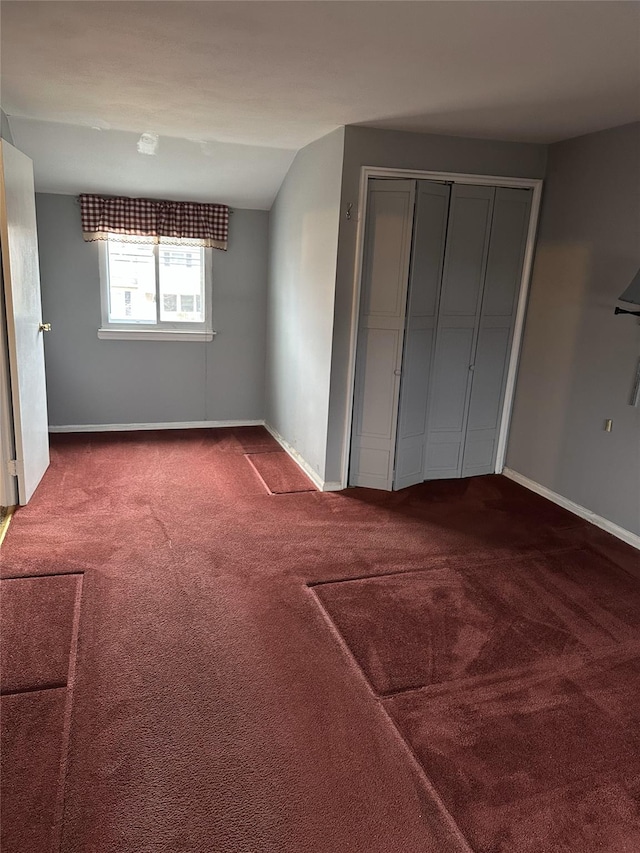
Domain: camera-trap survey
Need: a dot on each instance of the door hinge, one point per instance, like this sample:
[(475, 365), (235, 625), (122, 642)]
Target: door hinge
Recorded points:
[(12, 467)]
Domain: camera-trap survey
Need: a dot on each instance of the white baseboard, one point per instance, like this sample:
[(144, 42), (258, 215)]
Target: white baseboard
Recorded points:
[(135, 427), (302, 463), (620, 532)]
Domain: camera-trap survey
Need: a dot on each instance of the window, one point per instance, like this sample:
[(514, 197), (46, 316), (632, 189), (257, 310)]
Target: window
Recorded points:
[(158, 291)]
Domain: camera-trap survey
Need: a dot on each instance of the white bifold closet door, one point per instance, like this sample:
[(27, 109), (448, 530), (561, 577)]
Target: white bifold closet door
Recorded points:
[(439, 296), (485, 242)]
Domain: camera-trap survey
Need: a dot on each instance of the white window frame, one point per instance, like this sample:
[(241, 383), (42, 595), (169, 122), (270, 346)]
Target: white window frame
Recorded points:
[(137, 330)]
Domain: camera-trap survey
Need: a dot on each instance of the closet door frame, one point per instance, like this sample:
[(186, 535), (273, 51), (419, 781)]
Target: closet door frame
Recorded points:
[(535, 184)]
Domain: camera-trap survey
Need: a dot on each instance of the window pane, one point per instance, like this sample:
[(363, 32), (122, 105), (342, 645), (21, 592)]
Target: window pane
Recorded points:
[(182, 275), (170, 302), (132, 283)]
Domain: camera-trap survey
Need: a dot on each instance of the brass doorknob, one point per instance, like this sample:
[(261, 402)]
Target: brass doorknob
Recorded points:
[(44, 327)]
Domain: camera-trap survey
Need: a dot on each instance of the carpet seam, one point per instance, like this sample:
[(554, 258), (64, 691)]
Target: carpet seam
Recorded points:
[(429, 785), (431, 789), (264, 482), (32, 577), (445, 559), (565, 667), (39, 689), (452, 560), (66, 733), (395, 573), (298, 492), (244, 452), (258, 474), (342, 642), (559, 666)]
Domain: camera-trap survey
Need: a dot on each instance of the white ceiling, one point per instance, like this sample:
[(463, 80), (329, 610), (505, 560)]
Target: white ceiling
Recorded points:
[(259, 80)]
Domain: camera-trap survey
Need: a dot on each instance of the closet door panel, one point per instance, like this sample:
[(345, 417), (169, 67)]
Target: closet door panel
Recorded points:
[(432, 207), (450, 379), (506, 252), (470, 218), (486, 396), (491, 354), (497, 316), (459, 311), (415, 373), (385, 296), (443, 457), (378, 383), (372, 465), (412, 421), (449, 386), (381, 332)]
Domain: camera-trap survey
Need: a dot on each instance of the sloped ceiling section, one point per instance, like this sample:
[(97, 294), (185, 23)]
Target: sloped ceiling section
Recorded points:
[(73, 159)]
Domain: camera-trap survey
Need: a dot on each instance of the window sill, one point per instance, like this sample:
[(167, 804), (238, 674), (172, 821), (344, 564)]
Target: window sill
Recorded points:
[(153, 335)]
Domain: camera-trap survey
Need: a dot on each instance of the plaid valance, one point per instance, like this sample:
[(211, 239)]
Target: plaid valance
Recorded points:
[(154, 221)]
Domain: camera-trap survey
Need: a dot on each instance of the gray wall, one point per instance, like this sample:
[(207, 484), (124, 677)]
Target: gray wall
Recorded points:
[(399, 150), (578, 359), (93, 381), (302, 273)]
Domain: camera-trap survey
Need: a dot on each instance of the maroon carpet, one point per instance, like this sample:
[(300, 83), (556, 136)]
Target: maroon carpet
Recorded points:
[(38, 639), (517, 686), (279, 473), (32, 750), (449, 668), (37, 627)]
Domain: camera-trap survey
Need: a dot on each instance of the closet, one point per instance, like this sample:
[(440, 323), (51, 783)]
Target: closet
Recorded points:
[(441, 276)]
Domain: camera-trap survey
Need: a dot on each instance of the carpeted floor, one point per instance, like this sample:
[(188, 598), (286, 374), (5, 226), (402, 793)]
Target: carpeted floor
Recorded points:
[(38, 644), (279, 473), (37, 631), (33, 749), (450, 668)]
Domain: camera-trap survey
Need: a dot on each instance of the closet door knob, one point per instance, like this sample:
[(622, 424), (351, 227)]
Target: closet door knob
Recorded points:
[(397, 373), (472, 367)]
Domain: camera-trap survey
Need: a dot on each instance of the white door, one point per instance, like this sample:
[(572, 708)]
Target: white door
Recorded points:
[(381, 332), (21, 277)]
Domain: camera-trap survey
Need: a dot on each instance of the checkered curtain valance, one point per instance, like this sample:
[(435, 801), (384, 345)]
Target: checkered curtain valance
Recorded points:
[(142, 220)]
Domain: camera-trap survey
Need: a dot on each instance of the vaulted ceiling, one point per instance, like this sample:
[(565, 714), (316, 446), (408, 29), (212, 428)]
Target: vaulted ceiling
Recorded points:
[(234, 89)]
